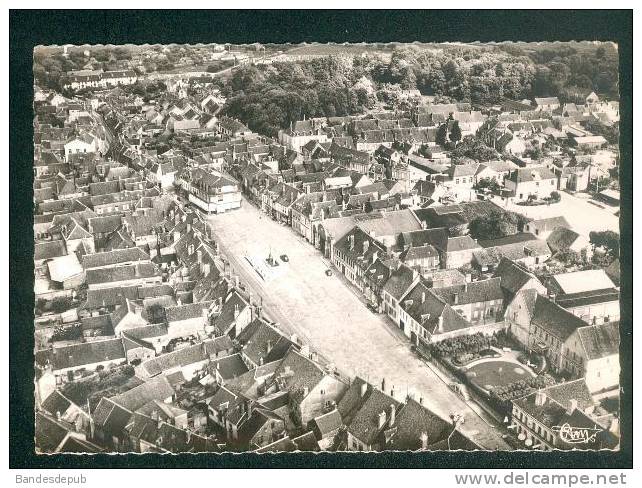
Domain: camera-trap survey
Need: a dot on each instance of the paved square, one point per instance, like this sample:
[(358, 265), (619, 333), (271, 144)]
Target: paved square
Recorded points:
[(328, 314)]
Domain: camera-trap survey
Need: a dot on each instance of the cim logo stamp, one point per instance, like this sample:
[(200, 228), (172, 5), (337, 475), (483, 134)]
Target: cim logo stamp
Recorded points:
[(577, 435)]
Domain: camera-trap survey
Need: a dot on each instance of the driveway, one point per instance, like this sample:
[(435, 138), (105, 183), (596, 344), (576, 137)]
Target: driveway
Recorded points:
[(329, 315)]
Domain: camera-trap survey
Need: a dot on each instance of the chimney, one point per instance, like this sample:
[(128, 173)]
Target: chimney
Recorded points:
[(393, 412), (572, 406), (366, 245), (199, 256), (382, 419), (423, 297), (440, 324), (424, 440), (455, 298), (383, 385), (540, 398), (351, 239), (364, 389), (236, 311)]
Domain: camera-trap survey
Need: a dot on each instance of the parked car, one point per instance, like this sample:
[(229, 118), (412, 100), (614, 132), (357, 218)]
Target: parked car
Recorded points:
[(372, 308), (328, 272), (285, 258)]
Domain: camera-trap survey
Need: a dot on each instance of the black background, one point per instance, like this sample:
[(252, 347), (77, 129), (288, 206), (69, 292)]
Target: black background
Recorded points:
[(29, 28)]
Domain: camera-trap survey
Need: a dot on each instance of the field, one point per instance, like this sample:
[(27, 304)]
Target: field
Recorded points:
[(490, 374)]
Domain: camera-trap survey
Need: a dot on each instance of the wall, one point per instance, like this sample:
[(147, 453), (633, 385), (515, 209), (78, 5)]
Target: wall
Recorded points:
[(603, 374)]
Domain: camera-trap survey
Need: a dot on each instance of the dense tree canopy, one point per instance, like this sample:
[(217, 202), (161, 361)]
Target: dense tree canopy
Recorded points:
[(472, 148), (607, 239), (497, 225), (269, 98)]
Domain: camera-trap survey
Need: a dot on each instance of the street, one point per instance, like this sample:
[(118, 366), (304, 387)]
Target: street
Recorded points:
[(328, 314), (581, 214)]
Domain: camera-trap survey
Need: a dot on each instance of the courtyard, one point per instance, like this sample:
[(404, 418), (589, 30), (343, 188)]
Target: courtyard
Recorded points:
[(328, 314), (579, 210), (489, 374)]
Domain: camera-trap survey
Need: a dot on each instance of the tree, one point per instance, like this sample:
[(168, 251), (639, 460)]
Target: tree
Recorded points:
[(424, 151), (496, 225), (487, 183), (61, 304), (473, 148), (570, 257), (442, 134), (607, 239), (156, 313), (455, 132)]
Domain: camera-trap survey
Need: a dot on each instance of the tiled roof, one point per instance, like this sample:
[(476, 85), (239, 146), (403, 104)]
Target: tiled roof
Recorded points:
[(226, 317), (56, 403), (600, 340), (513, 276), (262, 343), (48, 250), (147, 331), (561, 239), (86, 353), (400, 282), (328, 423), (122, 273), (109, 297), (523, 175), (187, 355), (426, 308), (157, 388), (230, 366), (461, 243), (414, 420), (49, 433), (186, 312), (419, 252), (361, 413), (306, 442), (474, 292), (114, 257), (296, 372), (554, 319)]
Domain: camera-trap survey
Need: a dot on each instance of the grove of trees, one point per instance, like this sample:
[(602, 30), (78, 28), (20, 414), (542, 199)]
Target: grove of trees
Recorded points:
[(497, 225)]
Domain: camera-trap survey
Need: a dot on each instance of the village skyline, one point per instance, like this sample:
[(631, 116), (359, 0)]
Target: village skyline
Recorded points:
[(338, 247)]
